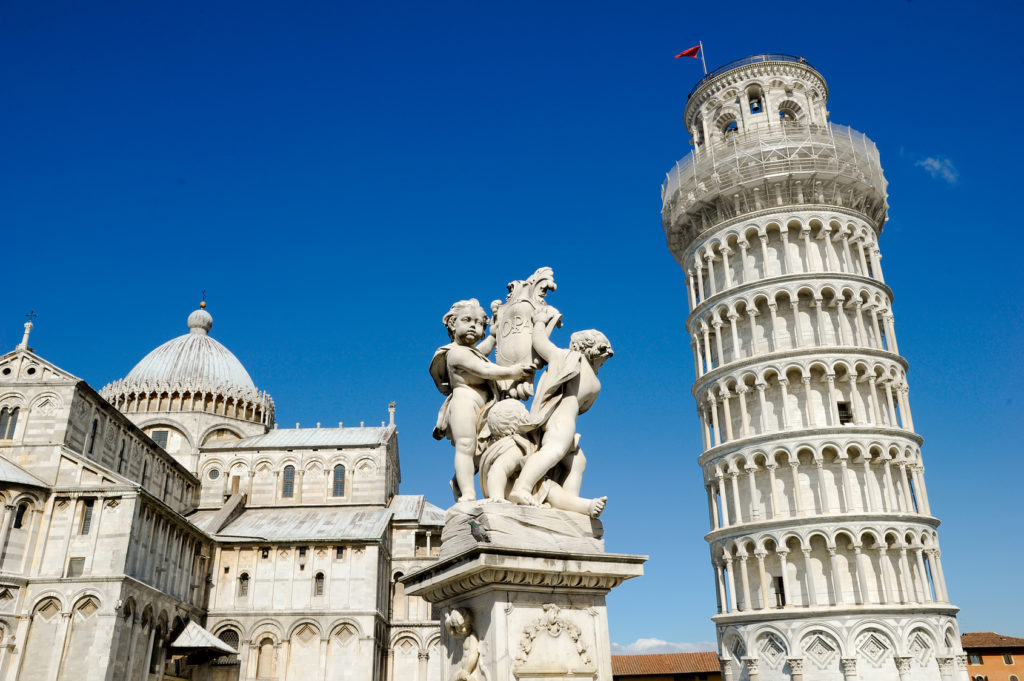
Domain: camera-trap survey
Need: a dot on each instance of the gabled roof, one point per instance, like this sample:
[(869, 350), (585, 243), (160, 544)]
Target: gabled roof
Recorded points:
[(415, 508), (194, 637), (15, 475), (33, 357), (288, 438), (989, 639), (314, 523), (671, 663)]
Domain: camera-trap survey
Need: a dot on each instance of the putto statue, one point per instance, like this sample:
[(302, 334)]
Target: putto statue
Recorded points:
[(527, 457)]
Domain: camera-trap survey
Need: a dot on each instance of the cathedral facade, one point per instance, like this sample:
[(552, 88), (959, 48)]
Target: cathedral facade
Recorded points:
[(164, 528)]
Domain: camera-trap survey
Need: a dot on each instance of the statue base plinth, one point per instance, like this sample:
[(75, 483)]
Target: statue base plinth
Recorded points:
[(534, 595)]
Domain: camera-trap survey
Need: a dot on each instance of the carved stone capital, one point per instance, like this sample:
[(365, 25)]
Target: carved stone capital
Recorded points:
[(796, 664)]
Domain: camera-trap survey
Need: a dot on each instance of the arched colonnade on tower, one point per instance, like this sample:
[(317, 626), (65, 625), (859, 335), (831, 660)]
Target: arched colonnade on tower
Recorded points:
[(815, 479), (751, 252)]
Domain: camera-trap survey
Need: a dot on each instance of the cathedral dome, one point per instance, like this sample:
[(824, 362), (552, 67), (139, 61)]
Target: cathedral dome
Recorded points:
[(193, 358), (192, 372)]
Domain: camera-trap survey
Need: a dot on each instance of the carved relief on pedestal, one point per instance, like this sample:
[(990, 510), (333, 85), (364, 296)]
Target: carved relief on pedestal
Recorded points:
[(552, 644)]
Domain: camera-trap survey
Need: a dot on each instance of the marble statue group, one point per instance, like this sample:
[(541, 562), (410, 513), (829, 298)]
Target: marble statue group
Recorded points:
[(524, 455)]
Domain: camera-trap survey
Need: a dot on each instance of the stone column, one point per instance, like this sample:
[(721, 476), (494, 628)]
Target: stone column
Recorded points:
[(808, 407), (764, 255), (926, 588), (849, 667), (764, 406), (725, 500), (714, 419), (708, 364), (786, 263), (909, 592), (796, 668), (742, 391), (736, 496), (946, 668), (712, 508), (729, 437), (858, 321), (812, 595), (731, 582), (751, 665), (745, 582), (784, 410), (862, 575), (747, 275), (720, 585), (700, 279), (903, 667), (727, 674), (774, 504), (797, 492), (837, 582), (726, 252), (787, 592), (797, 326), (717, 324), (844, 484), (883, 558), (833, 403), (710, 258), (763, 577), (735, 335), (691, 294), (754, 344), (752, 486), (773, 309), (819, 316)]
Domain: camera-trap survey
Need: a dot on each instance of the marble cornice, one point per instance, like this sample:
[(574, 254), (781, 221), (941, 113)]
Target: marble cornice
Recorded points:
[(832, 611), (837, 521), (737, 290), (837, 352), (515, 570), (781, 438)]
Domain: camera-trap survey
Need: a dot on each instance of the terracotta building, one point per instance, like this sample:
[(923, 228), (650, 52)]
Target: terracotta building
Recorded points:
[(668, 667), (993, 657)]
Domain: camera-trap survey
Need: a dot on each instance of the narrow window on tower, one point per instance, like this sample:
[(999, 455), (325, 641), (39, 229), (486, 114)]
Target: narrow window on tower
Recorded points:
[(845, 413), (92, 437), (8, 420), (243, 585), (780, 592), (1007, 658), (339, 481), (318, 584), (288, 482), (87, 515)]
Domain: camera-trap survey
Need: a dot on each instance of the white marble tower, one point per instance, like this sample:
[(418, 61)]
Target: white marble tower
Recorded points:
[(824, 547)]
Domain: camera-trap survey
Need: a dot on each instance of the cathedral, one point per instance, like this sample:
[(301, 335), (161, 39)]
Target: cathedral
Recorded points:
[(164, 528)]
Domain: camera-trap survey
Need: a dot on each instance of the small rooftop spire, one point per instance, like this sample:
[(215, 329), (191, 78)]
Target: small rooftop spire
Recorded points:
[(391, 413), (23, 345)]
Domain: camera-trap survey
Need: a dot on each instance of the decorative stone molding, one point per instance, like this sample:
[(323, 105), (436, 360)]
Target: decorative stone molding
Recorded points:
[(552, 624)]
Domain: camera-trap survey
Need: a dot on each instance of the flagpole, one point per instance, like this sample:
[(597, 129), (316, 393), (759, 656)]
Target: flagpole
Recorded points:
[(701, 43)]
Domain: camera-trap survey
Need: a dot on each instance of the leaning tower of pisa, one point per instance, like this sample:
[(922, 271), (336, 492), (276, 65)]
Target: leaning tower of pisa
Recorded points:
[(824, 547)]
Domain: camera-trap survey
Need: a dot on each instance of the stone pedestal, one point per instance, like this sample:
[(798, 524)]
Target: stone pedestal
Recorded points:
[(530, 602)]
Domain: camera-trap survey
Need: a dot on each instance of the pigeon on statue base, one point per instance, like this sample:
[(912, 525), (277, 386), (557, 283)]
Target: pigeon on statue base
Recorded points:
[(478, 532)]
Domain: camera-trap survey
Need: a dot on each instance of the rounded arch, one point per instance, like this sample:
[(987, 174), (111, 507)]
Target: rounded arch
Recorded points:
[(266, 628), (205, 435), (304, 622), (339, 625), (402, 634)]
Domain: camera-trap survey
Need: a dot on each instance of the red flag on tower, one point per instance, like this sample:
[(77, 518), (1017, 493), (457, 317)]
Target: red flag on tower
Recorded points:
[(692, 52)]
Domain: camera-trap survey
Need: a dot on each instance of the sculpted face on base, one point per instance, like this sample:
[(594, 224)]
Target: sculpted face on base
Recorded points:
[(529, 457)]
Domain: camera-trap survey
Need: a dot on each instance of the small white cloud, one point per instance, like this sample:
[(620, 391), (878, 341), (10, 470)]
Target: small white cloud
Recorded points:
[(940, 168), (650, 646)]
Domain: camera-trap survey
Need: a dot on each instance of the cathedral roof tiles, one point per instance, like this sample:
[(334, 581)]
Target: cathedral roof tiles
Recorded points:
[(286, 438)]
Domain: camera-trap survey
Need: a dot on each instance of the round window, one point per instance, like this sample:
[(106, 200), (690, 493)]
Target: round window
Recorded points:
[(7, 371), (214, 474), (31, 371)]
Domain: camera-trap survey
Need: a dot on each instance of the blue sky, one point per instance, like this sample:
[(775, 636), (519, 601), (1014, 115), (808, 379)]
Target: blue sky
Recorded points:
[(334, 175)]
